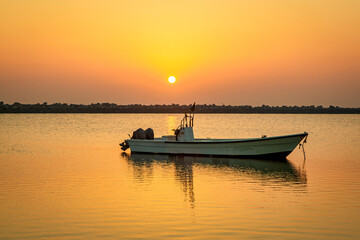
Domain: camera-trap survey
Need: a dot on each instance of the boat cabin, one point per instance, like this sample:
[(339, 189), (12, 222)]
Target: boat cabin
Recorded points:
[(184, 132)]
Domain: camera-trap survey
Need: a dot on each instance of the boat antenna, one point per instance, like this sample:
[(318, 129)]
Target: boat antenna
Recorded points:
[(192, 111), (192, 108)]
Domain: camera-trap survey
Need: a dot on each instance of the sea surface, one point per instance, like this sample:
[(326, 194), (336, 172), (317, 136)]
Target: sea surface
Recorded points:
[(64, 176)]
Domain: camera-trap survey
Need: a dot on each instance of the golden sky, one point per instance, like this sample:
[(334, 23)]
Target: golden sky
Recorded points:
[(275, 52)]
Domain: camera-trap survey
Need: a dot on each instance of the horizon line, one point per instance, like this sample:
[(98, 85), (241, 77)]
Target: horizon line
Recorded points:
[(173, 104)]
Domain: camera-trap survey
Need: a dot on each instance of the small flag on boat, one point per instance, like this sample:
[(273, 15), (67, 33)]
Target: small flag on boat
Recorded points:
[(192, 108)]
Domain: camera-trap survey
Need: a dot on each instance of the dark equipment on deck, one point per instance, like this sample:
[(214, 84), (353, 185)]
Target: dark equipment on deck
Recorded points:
[(139, 134)]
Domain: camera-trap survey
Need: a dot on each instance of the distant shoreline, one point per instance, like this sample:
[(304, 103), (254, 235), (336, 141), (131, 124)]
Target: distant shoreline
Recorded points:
[(173, 108)]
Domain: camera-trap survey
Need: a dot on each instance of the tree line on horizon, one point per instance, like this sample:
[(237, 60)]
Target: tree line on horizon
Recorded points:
[(173, 108)]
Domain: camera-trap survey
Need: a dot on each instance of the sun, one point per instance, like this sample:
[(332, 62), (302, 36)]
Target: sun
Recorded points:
[(171, 79)]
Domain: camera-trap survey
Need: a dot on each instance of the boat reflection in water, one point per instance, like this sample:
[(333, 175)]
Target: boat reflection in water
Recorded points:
[(265, 172)]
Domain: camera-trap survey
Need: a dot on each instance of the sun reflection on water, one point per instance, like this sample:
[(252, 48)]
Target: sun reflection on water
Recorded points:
[(170, 124)]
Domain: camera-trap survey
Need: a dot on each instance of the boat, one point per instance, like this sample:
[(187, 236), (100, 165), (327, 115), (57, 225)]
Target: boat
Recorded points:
[(184, 143)]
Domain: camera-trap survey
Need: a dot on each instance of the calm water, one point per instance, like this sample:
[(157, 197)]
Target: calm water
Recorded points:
[(63, 176)]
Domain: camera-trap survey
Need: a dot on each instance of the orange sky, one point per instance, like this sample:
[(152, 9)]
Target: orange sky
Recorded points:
[(279, 52)]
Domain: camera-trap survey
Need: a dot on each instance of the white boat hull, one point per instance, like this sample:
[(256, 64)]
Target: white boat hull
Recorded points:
[(268, 147)]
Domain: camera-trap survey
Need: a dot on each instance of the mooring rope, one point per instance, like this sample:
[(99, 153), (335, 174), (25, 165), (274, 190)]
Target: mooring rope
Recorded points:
[(301, 145)]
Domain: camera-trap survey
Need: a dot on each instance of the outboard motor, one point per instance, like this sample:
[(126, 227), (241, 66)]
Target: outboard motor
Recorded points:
[(124, 145), (138, 134), (149, 134)]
